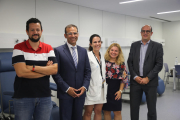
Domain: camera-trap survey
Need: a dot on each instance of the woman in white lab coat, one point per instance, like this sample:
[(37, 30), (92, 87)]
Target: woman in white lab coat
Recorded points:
[(97, 91)]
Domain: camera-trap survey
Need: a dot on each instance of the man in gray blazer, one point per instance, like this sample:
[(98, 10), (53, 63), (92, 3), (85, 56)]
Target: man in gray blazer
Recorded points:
[(145, 62)]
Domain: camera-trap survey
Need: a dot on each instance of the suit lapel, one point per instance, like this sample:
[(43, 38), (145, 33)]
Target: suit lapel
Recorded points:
[(68, 54), (79, 55), (138, 50), (150, 46)]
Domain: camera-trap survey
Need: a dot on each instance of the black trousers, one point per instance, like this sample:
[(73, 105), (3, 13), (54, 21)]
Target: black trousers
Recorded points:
[(136, 92)]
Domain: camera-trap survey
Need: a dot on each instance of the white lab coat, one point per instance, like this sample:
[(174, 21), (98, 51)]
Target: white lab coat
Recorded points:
[(94, 91)]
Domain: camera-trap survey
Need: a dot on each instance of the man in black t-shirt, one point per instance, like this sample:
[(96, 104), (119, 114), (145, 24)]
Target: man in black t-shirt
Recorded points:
[(34, 62)]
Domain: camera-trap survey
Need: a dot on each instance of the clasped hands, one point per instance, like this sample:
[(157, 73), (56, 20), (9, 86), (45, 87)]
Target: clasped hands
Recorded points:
[(76, 92), (142, 81)]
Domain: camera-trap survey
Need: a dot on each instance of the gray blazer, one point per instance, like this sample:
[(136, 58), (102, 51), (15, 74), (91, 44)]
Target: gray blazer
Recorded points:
[(153, 62)]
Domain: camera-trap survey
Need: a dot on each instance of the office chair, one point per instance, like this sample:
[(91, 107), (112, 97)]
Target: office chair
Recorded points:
[(1, 115), (7, 76), (6, 55), (166, 74), (177, 68), (55, 109)]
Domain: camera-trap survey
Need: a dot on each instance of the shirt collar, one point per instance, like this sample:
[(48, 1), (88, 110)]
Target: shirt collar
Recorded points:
[(29, 46), (69, 45), (146, 43)]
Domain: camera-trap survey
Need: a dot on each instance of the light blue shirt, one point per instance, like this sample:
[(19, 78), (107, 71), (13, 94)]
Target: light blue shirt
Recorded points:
[(143, 50), (142, 56)]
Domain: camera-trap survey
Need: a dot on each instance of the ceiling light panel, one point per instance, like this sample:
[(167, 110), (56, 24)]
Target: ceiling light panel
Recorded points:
[(130, 1), (168, 12)]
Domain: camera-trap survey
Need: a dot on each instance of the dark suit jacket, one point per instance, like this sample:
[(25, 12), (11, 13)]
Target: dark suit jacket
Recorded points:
[(153, 62), (68, 75)]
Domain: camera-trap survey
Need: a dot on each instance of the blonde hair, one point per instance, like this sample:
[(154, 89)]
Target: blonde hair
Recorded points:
[(120, 57)]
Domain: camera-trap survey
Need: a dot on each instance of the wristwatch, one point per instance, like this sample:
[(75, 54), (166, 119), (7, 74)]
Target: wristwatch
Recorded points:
[(33, 68)]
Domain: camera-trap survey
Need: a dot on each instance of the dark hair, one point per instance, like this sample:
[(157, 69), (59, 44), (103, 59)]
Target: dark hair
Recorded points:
[(91, 39), (147, 25), (69, 26), (32, 20)]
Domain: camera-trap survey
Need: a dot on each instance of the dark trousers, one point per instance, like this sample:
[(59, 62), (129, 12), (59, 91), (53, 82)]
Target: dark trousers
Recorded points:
[(71, 109), (136, 92)]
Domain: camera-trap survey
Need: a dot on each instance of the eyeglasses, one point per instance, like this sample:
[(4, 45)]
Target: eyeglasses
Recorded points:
[(147, 31), (75, 33)]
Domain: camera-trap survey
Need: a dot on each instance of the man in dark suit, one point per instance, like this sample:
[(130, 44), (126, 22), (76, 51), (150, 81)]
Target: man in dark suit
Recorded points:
[(145, 62), (73, 75)]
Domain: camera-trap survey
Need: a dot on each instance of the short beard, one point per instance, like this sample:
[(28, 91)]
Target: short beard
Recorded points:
[(34, 40)]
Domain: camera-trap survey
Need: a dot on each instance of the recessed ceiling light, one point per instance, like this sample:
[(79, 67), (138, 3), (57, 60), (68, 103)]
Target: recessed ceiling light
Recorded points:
[(130, 1), (168, 12)]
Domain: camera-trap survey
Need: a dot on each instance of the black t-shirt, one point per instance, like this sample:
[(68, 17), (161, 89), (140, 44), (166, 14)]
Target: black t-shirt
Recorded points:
[(38, 87)]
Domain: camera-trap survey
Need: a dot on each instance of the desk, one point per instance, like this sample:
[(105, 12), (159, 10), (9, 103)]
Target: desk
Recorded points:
[(174, 79)]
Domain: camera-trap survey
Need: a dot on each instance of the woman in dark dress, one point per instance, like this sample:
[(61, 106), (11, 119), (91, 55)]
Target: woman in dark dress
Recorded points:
[(116, 78)]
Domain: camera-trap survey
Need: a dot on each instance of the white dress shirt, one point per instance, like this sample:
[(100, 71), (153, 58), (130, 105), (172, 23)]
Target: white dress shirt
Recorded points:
[(70, 49)]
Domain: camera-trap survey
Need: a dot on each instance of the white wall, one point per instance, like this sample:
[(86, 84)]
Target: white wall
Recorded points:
[(171, 33), (14, 14), (56, 15)]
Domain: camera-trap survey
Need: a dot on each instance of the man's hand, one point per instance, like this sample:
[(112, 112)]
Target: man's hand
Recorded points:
[(144, 81), (72, 92), (138, 79), (49, 63), (118, 95), (82, 90)]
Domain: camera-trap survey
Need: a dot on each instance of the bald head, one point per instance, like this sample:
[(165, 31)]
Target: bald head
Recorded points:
[(146, 26)]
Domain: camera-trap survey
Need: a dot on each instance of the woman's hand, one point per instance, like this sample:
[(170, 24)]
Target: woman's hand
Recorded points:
[(118, 95)]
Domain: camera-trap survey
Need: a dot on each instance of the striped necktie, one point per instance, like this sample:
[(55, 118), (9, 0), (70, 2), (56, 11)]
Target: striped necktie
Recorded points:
[(74, 56)]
